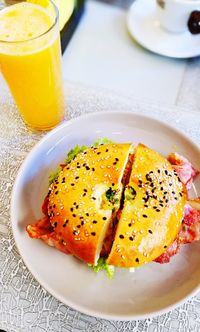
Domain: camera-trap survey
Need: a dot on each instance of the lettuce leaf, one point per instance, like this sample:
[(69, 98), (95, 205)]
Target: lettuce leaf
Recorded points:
[(74, 152), (100, 141), (102, 265)]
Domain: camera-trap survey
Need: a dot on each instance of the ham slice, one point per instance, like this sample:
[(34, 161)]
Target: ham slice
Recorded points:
[(189, 232), (184, 169), (43, 230)]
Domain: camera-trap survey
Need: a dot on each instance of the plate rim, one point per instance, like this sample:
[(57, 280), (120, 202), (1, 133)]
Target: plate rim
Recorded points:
[(147, 46), (13, 223)]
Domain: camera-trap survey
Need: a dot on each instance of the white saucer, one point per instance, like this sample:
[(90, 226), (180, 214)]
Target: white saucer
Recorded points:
[(144, 26)]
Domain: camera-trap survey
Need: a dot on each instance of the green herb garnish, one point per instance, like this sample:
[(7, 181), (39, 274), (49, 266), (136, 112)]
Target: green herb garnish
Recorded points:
[(110, 194), (130, 193)]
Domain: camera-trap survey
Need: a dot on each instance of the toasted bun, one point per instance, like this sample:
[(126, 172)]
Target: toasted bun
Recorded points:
[(152, 213), (79, 208)]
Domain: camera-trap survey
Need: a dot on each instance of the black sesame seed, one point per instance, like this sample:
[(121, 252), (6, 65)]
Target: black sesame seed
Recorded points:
[(161, 204), (176, 198), (77, 177), (77, 206), (106, 150), (166, 201), (94, 222), (139, 185), (72, 184), (173, 192), (150, 231), (82, 222), (78, 226), (84, 194), (104, 218), (94, 198), (166, 172), (68, 168), (93, 169), (84, 164), (165, 192), (181, 194), (75, 233), (161, 188), (140, 181), (130, 224), (165, 247), (56, 193), (144, 216), (158, 170), (131, 238), (154, 196), (78, 167), (64, 225), (87, 168), (145, 205), (160, 182), (71, 209), (93, 233), (157, 210), (87, 214), (117, 159), (55, 224), (74, 215), (85, 190), (98, 152), (137, 260), (113, 184), (121, 236), (115, 163)]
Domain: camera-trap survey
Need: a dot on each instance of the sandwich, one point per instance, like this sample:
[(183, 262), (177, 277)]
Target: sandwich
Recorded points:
[(117, 205)]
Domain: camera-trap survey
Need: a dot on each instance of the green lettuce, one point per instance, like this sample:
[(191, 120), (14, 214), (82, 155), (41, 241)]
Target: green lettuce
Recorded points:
[(102, 265), (100, 141), (74, 152)]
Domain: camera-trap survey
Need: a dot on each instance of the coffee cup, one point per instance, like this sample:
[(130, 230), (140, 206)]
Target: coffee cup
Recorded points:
[(173, 15)]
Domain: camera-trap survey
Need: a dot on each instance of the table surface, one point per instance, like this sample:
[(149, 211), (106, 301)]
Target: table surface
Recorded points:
[(97, 58)]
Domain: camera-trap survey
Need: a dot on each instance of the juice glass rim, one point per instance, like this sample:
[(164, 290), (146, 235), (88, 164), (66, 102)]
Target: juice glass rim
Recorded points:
[(42, 34)]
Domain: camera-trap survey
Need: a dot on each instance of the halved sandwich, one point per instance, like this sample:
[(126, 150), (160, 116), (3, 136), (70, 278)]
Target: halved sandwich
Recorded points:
[(118, 202)]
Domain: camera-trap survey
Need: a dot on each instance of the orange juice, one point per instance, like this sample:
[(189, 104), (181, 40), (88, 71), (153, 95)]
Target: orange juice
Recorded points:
[(30, 60)]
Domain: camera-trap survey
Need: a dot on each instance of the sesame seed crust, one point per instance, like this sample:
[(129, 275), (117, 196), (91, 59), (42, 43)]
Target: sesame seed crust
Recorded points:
[(74, 197), (157, 216)]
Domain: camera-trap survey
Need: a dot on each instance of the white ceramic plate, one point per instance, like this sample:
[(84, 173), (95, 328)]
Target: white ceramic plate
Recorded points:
[(145, 28), (152, 289)]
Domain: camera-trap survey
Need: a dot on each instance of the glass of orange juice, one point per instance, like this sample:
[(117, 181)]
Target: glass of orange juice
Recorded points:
[(30, 60)]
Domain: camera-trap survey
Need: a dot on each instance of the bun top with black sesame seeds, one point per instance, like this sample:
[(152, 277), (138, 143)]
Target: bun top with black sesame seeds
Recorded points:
[(152, 213), (84, 196)]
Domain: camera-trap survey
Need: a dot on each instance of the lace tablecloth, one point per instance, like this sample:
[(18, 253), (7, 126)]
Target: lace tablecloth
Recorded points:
[(24, 304)]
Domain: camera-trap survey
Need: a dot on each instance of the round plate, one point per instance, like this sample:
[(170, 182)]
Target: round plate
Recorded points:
[(144, 26), (152, 289)]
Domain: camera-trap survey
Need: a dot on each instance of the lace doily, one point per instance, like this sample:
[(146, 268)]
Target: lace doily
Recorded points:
[(24, 305)]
